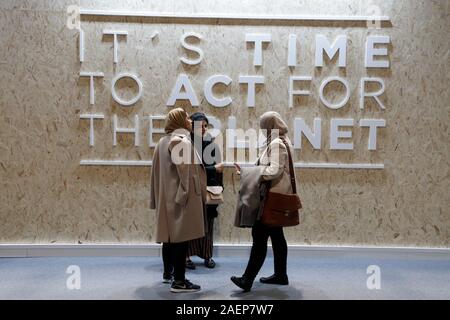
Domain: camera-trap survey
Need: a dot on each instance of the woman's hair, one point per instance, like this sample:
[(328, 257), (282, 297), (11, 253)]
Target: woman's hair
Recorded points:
[(176, 119)]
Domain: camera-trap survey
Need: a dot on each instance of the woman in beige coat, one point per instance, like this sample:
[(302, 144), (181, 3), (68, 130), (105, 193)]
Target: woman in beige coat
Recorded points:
[(274, 167), (178, 193)]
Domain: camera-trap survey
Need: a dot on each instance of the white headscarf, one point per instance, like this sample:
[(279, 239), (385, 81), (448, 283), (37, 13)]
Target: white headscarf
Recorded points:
[(274, 126)]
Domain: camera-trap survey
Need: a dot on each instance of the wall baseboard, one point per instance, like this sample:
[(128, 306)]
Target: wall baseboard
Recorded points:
[(220, 250)]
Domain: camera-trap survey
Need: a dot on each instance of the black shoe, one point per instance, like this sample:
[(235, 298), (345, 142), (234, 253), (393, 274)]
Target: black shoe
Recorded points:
[(243, 283), (210, 263), (184, 286), (190, 265), (167, 277), (275, 279)]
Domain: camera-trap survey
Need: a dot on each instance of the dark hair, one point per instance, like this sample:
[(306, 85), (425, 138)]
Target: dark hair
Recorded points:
[(199, 116)]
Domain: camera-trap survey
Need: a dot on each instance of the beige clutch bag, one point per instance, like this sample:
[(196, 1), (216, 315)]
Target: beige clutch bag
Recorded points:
[(214, 195)]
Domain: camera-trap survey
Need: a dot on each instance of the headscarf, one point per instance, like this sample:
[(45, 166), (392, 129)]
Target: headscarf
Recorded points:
[(199, 116), (176, 119), (274, 125), (199, 141), (211, 156)]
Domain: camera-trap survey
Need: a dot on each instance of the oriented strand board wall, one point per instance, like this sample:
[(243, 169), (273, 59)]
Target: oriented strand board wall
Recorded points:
[(47, 197)]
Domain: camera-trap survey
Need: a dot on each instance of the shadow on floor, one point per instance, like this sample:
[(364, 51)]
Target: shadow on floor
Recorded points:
[(268, 292), (229, 291), (162, 292)]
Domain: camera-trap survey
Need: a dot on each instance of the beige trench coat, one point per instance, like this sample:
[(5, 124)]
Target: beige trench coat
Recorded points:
[(177, 191), (275, 158)]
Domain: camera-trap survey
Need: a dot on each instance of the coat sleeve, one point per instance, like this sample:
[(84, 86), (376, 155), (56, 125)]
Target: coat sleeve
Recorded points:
[(153, 179), (178, 148), (218, 159), (277, 159)]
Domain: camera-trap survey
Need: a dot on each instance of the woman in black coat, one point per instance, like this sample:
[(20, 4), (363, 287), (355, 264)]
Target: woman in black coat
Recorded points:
[(210, 154)]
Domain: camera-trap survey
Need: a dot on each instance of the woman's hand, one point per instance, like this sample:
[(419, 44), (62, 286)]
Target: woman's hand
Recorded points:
[(238, 168), (219, 167)]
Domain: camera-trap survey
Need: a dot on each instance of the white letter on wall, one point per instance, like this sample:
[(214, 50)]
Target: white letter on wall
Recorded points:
[(251, 81), (322, 44), (335, 134), (315, 138), (209, 84), (240, 140), (189, 47), (292, 50), (91, 83), (258, 39), (116, 44), (373, 124), (293, 92), (91, 118), (371, 52), (375, 95), (81, 45), (189, 94), (134, 130), (328, 104), (114, 93), (152, 130), (232, 137), (216, 125)]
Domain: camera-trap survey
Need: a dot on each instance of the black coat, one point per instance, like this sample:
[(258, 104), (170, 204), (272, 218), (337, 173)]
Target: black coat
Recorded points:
[(210, 158)]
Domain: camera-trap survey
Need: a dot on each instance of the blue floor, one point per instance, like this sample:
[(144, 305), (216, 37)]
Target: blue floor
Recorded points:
[(317, 277)]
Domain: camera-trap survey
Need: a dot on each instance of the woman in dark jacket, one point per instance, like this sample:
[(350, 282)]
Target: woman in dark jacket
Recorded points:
[(211, 157)]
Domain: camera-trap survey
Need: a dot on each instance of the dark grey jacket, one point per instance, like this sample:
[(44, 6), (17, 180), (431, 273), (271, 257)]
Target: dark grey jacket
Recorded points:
[(250, 197)]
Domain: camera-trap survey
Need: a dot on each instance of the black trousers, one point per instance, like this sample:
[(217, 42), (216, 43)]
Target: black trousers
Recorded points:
[(261, 234), (174, 259)]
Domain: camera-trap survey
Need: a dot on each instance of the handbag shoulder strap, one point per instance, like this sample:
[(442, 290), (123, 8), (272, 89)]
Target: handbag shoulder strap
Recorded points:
[(291, 167)]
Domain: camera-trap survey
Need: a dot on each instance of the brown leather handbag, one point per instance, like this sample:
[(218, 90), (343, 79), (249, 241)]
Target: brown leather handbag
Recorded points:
[(281, 210)]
